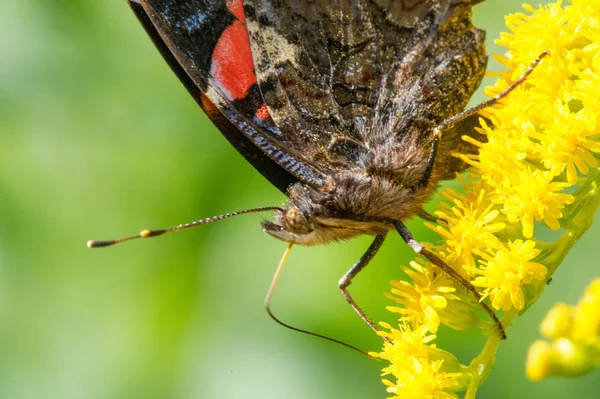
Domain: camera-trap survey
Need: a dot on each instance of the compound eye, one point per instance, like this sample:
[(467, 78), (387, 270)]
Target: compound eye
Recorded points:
[(295, 222)]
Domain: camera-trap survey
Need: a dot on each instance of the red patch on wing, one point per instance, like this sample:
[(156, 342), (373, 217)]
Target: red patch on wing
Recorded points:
[(232, 64), (237, 9), (262, 113)]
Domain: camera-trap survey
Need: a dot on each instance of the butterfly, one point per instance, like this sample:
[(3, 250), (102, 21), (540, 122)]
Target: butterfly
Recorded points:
[(352, 108)]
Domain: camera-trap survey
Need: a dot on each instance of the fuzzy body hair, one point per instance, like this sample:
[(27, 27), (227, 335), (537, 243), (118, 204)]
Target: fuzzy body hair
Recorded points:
[(356, 202)]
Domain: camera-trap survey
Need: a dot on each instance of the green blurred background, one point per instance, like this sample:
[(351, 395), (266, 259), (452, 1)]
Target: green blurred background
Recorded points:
[(98, 139)]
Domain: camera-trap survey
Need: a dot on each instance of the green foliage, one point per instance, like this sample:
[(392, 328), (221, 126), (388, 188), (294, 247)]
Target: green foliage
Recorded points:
[(99, 140)]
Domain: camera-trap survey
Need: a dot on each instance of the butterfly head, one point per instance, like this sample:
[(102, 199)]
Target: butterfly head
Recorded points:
[(310, 218), (291, 225)]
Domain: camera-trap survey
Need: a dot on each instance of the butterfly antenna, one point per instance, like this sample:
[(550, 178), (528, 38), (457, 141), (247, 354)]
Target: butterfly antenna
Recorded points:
[(277, 320), (154, 233)]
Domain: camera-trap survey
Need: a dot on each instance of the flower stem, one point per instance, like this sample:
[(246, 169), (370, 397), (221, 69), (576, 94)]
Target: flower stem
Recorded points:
[(482, 364)]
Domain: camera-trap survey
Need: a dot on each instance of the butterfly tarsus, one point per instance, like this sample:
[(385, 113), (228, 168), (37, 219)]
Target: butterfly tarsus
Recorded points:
[(423, 214)]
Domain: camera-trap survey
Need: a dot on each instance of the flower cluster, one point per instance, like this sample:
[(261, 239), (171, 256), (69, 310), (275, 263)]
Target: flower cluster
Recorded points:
[(537, 170), (421, 370), (575, 335)]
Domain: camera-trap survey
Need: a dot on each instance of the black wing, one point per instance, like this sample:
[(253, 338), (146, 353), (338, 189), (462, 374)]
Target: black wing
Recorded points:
[(187, 33)]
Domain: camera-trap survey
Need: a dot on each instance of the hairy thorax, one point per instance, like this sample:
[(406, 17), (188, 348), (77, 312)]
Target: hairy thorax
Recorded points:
[(355, 202)]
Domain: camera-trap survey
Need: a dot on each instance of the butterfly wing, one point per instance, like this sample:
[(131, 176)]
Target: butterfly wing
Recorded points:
[(340, 77), (206, 45), (302, 88)]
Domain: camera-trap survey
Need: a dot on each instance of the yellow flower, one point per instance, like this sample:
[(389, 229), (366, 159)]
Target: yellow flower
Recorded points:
[(575, 335), (538, 163), (470, 222), (534, 196), (559, 321), (586, 325), (499, 155), (566, 143), (421, 378), (424, 301), (506, 270), (418, 370)]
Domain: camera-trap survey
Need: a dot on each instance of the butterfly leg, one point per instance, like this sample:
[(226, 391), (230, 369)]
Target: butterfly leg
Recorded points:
[(423, 214), (450, 272), (346, 279), (437, 131)]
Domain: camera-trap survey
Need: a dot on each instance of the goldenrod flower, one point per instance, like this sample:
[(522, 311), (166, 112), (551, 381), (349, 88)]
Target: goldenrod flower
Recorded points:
[(575, 332), (538, 167), (420, 370), (534, 196), (425, 300), (504, 270), (422, 378), (586, 324), (567, 144), (472, 222)]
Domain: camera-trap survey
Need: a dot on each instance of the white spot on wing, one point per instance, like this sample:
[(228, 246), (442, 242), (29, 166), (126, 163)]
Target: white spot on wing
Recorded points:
[(276, 50)]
